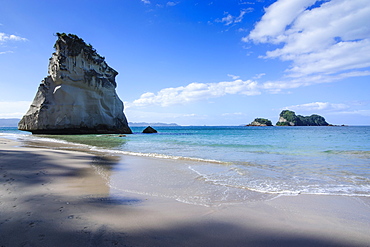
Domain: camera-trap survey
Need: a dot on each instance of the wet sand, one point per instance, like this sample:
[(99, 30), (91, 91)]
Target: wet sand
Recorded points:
[(59, 198)]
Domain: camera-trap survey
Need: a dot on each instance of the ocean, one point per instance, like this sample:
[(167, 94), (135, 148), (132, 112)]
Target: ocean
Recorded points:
[(212, 165)]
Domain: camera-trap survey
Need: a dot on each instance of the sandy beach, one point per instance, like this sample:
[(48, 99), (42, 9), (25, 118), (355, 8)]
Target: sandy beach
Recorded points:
[(59, 198)]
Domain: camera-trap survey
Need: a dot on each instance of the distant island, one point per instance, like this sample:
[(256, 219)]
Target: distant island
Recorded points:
[(260, 122), (13, 122), (289, 118), (141, 124), (9, 122)]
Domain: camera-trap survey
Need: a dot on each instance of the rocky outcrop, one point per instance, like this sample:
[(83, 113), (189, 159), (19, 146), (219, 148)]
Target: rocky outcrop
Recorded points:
[(79, 94), (289, 118), (260, 122), (149, 130)]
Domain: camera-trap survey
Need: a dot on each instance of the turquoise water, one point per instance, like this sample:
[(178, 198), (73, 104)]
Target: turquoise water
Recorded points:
[(271, 160)]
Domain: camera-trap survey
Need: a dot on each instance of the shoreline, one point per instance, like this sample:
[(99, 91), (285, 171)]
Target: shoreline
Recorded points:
[(60, 198)]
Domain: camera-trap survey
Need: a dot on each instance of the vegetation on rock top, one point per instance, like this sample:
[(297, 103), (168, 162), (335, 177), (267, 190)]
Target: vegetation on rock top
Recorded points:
[(261, 122), (75, 45), (289, 118)]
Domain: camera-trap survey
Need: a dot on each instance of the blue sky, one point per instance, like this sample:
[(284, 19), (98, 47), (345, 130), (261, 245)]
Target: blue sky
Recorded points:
[(209, 62)]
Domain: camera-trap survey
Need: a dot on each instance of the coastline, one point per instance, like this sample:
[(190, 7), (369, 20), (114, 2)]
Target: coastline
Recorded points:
[(59, 198)]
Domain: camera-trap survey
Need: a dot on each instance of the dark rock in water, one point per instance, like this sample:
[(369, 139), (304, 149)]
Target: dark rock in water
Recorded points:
[(78, 96), (149, 130)]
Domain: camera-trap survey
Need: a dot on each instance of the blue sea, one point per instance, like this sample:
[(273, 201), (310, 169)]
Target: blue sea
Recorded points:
[(232, 163)]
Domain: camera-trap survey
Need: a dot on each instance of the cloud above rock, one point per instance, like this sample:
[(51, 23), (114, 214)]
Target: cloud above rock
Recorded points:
[(10, 37), (196, 92), (318, 106), (5, 38)]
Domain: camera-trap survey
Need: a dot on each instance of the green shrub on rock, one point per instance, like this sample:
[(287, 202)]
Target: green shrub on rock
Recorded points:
[(289, 118), (261, 122)]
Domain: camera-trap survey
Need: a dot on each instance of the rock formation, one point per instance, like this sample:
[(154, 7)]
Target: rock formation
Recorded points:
[(78, 96), (149, 130), (260, 122), (289, 118)]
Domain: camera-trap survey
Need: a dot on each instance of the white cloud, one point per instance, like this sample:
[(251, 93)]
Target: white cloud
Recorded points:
[(202, 91), (277, 17), (242, 30), (172, 3), (328, 38), (278, 86), (258, 76), (365, 113), (333, 109), (196, 92), (9, 37), (234, 77), (230, 19), (318, 106), (233, 114), (6, 37), (343, 56), (13, 109), (146, 1), (5, 52), (241, 15)]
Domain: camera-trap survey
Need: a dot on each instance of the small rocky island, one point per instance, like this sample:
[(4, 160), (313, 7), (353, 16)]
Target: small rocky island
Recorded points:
[(260, 122), (79, 94), (289, 118)]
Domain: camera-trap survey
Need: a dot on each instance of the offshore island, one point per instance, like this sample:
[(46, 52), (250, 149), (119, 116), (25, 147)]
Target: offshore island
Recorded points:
[(289, 118)]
